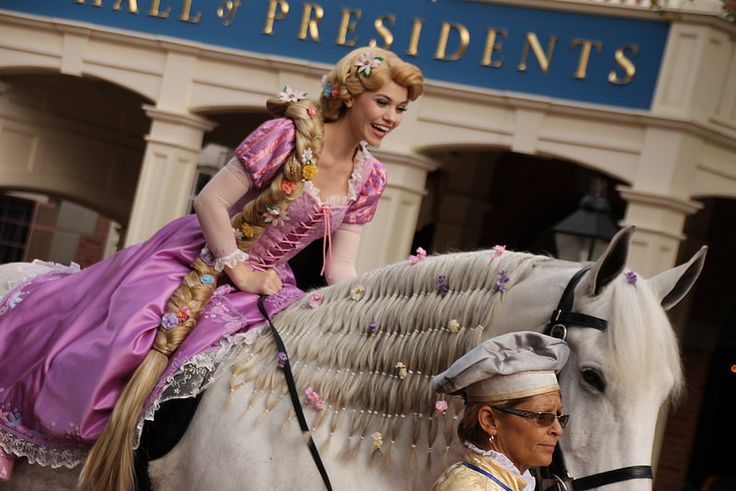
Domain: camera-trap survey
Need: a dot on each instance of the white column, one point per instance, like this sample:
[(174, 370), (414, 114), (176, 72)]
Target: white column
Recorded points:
[(659, 220), (167, 173), (387, 238)]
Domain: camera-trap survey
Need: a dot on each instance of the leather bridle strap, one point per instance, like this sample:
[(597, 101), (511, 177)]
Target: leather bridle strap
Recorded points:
[(295, 398), (563, 317), (614, 476)]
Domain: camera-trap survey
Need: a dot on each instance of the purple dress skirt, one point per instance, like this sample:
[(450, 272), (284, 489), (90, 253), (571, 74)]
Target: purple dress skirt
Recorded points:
[(70, 341)]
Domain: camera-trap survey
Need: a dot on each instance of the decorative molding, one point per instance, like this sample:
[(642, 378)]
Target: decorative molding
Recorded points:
[(685, 207)]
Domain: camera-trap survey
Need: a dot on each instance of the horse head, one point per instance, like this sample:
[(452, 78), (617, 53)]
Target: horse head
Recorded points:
[(619, 377)]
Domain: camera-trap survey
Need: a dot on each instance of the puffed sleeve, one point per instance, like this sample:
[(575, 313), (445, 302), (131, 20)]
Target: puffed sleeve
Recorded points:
[(266, 149), (364, 207)]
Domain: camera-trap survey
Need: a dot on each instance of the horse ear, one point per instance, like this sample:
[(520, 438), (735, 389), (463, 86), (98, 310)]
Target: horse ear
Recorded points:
[(671, 286), (612, 261)]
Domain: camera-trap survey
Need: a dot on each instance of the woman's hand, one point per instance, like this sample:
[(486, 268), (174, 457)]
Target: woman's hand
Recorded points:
[(262, 283)]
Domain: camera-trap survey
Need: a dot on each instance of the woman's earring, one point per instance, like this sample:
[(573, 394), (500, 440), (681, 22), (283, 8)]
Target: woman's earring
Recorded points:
[(492, 439)]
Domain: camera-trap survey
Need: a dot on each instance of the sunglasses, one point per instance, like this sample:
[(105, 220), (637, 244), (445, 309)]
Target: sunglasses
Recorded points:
[(542, 419)]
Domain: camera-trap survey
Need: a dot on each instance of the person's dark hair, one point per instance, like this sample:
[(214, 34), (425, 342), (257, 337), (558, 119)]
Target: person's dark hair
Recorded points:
[(469, 429)]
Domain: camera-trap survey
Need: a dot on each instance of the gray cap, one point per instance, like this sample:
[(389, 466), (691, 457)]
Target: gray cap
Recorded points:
[(510, 366)]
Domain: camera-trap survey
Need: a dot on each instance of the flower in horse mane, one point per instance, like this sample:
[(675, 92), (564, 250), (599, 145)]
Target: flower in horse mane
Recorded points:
[(316, 300), (453, 326), (442, 286), (497, 251), (169, 320), (421, 254), (314, 398), (207, 257), (288, 186), (357, 292), (372, 327), (288, 94), (367, 62), (184, 314), (377, 440), (631, 278), (309, 172), (402, 370), (281, 359), (440, 408), (503, 278)]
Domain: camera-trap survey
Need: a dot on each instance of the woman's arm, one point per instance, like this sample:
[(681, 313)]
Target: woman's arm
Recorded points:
[(212, 205), (345, 243)]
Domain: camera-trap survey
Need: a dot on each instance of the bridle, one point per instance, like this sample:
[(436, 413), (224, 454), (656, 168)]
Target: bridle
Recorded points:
[(562, 319)]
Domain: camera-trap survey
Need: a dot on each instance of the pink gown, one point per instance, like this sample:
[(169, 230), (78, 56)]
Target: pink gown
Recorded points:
[(70, 340)]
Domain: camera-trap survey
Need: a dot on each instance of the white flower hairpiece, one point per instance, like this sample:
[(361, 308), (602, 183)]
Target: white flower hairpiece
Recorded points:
[(367, 62), (288, 94)]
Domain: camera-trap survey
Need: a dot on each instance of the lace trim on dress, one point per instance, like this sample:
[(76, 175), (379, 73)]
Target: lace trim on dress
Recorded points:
[(231, 260), (506, 463), (355, 181), (27, 273)]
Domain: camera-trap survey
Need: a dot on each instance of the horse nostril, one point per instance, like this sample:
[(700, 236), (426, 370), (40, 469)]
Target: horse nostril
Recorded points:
[(594, 378)]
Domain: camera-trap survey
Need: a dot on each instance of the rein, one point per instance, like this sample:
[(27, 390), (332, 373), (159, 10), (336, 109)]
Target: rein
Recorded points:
[(562, 319), (295, 398)]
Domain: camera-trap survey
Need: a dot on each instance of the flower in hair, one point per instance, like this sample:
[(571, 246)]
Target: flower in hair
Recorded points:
[(503, 278), (311, 112), (442, 286), (330, 90), (207, 257), (308, 156), (281, 359), (357, 292), (367, 62), (316, 300), (421, 254), (169, 320), (631, 278), (497, 251), (274, 216), (402, 370), (288, 94), (440, 408), (372, 327), (377, 440), (288, 186), (309, 172), (247, 231), (453, 326), (184, 314), (207, 279)]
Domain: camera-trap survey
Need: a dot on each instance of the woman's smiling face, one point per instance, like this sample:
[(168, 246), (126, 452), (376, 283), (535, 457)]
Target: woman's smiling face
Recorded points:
[(374, 114)]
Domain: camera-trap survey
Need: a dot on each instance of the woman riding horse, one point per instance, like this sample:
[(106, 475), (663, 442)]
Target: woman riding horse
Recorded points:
[(75, 345)]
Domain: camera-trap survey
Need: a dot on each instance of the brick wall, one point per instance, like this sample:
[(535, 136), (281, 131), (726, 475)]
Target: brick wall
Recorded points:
[(92, 247), (682, 424)]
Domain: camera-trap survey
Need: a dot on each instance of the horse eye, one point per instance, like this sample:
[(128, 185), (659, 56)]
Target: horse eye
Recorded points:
[(594, 378)]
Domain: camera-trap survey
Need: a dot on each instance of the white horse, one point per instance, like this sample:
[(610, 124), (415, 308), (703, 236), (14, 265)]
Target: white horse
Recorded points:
[(370, 357)]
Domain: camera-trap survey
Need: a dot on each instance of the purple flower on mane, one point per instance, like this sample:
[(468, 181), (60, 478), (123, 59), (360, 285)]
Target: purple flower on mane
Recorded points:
[(441, 283), (503, 278), (372, 327), (631, 278), (282, 359)]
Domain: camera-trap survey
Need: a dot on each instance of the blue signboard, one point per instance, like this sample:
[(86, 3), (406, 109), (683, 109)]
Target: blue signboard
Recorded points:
[(579, 57)]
